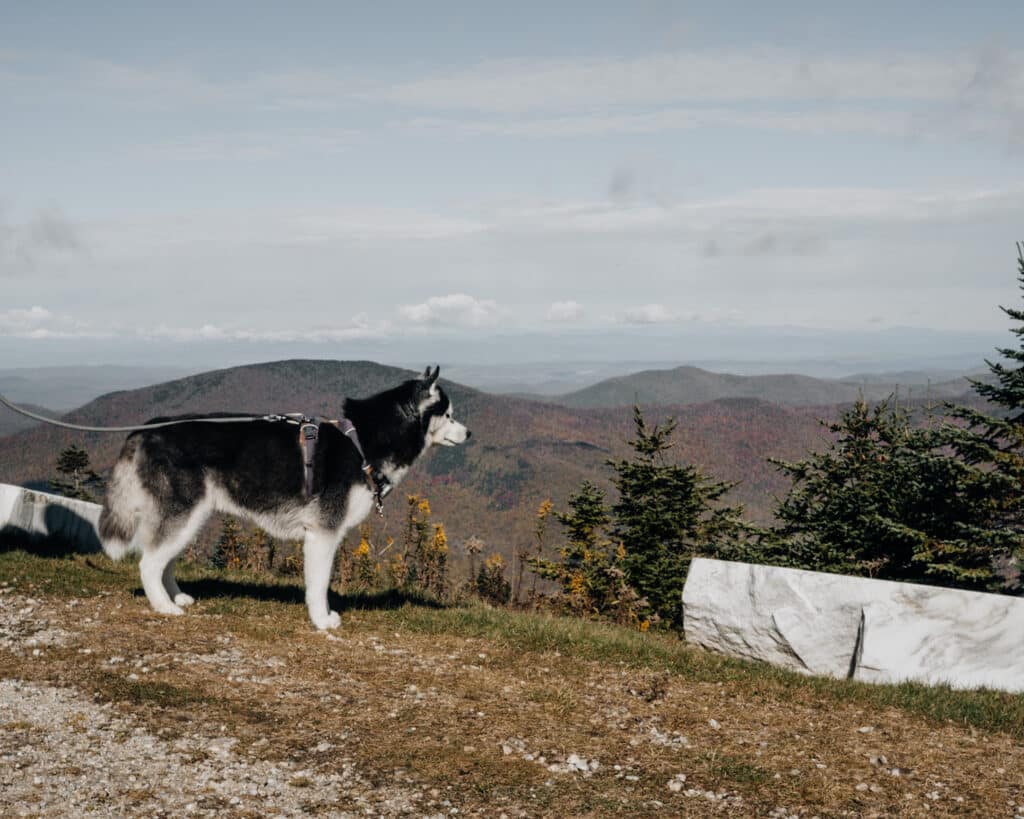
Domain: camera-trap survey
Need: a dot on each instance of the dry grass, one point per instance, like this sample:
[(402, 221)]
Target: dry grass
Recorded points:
[(461, 704)]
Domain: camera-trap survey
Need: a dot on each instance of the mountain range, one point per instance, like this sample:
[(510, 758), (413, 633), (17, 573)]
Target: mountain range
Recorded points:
[(522, 452), (692, 385)]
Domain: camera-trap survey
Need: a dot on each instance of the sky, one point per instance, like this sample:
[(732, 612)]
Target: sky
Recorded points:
[(496, 181)]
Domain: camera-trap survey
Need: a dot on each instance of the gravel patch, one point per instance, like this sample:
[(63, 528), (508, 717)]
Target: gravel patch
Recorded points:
[(25, 626), (62, 755)]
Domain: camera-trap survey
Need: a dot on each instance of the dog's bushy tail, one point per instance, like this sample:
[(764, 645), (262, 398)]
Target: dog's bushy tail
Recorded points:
[(119, 518)]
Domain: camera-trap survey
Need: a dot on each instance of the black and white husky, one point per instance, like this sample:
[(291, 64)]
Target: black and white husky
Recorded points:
[(168, 481)]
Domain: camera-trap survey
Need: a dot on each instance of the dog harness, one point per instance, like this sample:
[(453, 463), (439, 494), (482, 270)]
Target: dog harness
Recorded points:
[(309, 434)]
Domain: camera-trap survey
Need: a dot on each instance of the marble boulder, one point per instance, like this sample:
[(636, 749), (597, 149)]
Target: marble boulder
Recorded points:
[(853, 627), (27, 515)]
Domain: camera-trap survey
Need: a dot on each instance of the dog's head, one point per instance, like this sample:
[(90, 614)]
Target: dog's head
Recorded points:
[(437, 414)]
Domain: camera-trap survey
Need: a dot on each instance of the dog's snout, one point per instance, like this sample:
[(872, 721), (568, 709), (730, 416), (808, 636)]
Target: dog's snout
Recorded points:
[(469, 434)]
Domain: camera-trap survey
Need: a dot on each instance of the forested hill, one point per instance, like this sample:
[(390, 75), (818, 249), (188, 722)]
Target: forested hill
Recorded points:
[(11, 422), (521, 452), (692, 385)]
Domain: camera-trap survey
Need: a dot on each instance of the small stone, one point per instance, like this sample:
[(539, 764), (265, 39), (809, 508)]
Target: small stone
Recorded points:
[(865, 729), (715, 724), (861, 786)]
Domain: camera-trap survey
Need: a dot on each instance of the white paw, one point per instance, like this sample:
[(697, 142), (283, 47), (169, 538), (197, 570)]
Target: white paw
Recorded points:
[(170, 609), (331, 621), (183, 599)]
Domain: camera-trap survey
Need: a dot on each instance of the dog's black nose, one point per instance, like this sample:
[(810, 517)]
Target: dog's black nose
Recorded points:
[(468, 434)]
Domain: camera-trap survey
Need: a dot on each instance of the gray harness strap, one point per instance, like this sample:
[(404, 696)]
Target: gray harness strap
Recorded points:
[(309, 433)]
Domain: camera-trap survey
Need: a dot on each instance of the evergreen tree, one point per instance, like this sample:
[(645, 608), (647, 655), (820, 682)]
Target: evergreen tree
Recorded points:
[(666, 514), (229, 549), (75, 475), (583, 553), (890, 499), (1008, 391), (491, 584)]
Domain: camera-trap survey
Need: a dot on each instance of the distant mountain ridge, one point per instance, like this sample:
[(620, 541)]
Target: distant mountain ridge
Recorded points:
[(11, 422), (693, 385), (67, 387), (521, 453)]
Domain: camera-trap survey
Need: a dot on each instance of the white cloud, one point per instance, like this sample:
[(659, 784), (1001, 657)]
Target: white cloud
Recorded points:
[(972, 95), (253, 145), (660, 79), (37, 322), (359, 328), (968, 93), (649, 314), (564, 311), (848, 120), (455, 309)]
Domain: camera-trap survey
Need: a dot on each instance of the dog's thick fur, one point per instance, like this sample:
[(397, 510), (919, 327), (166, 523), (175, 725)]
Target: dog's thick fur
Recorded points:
[(168, 481)]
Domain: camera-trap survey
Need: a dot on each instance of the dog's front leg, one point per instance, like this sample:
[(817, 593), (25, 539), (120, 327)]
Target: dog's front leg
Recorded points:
[(318, 562)]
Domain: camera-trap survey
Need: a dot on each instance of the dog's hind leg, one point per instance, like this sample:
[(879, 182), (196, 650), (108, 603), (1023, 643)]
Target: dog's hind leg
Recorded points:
[(318, 552), (171, 585), (157, 565), (151, 570)]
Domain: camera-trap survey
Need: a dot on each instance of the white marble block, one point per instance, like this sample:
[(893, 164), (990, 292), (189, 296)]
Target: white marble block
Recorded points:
[(25, 513), (873, 630)]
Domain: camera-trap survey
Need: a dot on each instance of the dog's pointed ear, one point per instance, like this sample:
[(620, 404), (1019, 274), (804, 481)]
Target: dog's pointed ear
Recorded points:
[(431, 378), (426, 374)]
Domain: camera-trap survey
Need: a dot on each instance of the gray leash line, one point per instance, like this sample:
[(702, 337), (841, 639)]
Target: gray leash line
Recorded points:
[(292, 419), (380, 489)]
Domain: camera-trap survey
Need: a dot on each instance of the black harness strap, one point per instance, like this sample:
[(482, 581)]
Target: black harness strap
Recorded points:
[(309, 433)]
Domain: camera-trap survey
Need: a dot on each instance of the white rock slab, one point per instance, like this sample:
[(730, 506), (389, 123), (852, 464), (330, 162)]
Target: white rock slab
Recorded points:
[(838, 626), (27, 513)]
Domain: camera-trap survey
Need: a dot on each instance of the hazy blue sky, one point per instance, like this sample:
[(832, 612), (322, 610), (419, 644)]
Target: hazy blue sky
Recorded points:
[(385, 177)]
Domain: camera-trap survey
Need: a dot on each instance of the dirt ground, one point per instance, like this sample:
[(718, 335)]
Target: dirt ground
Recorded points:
[(239, 708)]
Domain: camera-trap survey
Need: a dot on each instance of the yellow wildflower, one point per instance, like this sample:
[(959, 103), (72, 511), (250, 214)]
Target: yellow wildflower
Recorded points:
[(424, 506), (440, 543), (646, 624)]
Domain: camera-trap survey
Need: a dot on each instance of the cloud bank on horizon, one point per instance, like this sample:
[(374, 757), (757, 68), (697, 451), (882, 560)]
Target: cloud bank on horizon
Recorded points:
[(392, 174)]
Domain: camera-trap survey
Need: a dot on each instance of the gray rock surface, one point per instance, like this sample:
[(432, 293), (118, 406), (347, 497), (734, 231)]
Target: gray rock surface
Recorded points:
[(853, 627)]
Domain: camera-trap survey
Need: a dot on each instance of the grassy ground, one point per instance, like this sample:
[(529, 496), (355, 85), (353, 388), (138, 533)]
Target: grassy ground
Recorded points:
[(487, 711)]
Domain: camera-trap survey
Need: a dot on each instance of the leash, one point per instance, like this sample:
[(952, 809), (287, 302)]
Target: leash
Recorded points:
[(309, 429), (292, 418)]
